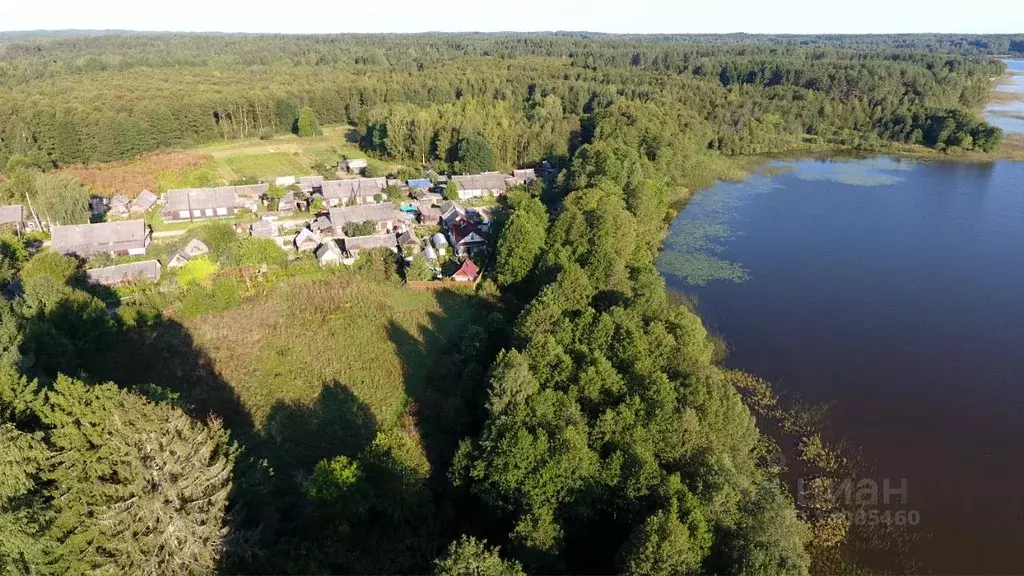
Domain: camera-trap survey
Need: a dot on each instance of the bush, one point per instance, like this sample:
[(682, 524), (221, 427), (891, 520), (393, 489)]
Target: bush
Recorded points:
[(255, 252), (198, 271)]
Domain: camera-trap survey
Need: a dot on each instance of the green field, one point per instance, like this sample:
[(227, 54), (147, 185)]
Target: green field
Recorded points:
[(321, 365), (286, 155), (265, 166)]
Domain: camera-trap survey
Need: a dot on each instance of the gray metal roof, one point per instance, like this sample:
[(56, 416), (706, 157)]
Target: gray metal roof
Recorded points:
[(485, 181), (148, 270), (363, 187), (144, 201), (369, 242), (103, 237), (364, 212), (12, 214)]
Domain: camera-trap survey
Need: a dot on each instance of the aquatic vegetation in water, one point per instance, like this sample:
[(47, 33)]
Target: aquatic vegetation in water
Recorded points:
[(694, 246)]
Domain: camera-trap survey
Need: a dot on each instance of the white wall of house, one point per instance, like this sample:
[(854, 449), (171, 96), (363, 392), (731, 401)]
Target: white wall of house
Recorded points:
[(136, 251)]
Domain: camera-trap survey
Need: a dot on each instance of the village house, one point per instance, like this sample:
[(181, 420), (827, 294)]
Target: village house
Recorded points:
[(450, 212), (177, 259), (429, 215), (477, 185), (352, 165), (219, 202), (122, 238), (119, 205), (147, 271), (409, 244), (354, 245), (311, 184), (263, 229), (524, 176), (306, 240), (426, 196), (12, 217), (466, 237), (467, 272), (287, 203), (195, 247), (321, 225), (353, 191), (329, 253), (143, 202), (199, 203), (385, 216)]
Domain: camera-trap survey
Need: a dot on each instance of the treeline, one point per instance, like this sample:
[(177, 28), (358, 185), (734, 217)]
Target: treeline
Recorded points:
[(613, 443), (91, 99)]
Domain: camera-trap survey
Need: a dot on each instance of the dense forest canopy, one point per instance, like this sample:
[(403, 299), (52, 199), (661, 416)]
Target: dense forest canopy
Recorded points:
[(77, 99)]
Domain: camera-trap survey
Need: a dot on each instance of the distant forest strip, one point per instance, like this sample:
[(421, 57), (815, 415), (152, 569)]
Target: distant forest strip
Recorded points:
[(74, 99)]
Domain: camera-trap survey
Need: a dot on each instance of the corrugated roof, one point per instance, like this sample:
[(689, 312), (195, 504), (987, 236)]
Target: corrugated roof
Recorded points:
[(369, 242), (486, 181), (12, 213), (363, 187), (364, 212), (148, 270), (103, 237)]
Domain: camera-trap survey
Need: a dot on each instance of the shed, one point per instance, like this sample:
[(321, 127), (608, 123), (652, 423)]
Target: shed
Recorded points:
[(178, 259), (329, 253), (119, 205), (147, 271), (12, 216), (306, 240), (143, 202), (263, 229), (467, 272), (195, 247), (352, 164)]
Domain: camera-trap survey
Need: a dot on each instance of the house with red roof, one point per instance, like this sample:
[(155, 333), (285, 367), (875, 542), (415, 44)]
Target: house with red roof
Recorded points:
[(466, 237), (467, 272)]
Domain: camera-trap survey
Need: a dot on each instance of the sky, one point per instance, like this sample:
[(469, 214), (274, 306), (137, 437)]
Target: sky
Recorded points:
[(618, 16)]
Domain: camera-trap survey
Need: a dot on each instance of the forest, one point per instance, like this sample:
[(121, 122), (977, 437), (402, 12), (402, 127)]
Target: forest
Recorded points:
[(568, 416), (68, 100)]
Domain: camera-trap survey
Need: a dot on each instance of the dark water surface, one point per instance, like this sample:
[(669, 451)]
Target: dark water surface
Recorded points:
[(894, 291)]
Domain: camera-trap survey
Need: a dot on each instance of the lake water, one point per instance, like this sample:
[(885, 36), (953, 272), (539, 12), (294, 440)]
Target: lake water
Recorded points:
[(893, 291), (1009, 115)]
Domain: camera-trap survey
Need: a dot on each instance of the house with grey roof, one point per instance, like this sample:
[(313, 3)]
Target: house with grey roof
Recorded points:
[(12, 217), (178, 259), (450, 212), (121, 274), (329, 253), (408, 243), (311, 184), (143, 202), (352, 165), (119, 205), (353, 191), (306, 240), (122, 238), (287, 203), (263, 229), (321, 225), (387, 219), (477, 185), (198, 203), (354, 245), (195, 247), (524, 176)]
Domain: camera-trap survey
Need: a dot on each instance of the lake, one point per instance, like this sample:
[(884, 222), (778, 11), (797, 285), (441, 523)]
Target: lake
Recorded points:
[(894, 292), (1009, 115)]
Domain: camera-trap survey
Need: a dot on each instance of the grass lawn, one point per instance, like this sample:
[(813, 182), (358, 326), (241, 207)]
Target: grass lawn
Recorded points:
[(265, 166), (319, 365)]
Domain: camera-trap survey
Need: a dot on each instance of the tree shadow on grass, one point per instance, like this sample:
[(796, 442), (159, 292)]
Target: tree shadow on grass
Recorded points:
[(445, 373)]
